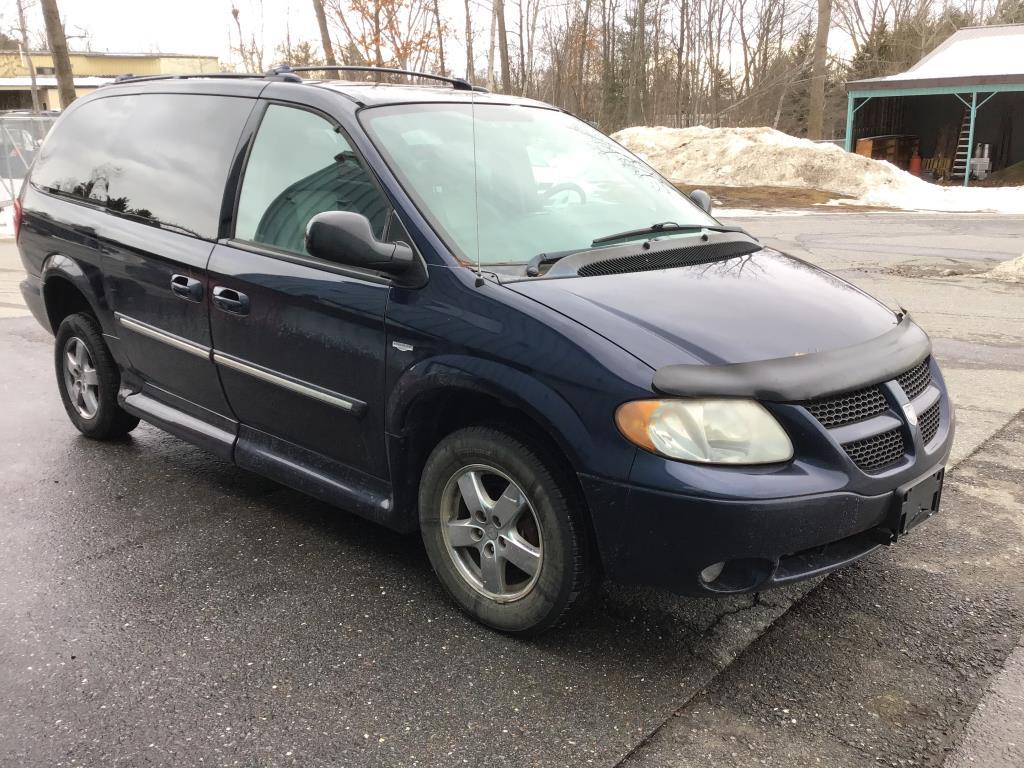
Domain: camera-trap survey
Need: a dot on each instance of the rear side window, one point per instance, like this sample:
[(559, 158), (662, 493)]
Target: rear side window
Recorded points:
[(157, 158), (300, 165)]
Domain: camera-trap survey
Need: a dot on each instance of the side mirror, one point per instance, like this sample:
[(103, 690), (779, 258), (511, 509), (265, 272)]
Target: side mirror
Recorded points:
[(702, 199), (347, 238)]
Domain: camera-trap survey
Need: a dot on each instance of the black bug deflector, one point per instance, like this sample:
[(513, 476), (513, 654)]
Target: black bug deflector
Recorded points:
[(803, 377)]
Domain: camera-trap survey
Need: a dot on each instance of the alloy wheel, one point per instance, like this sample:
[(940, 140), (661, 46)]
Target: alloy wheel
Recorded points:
[(80, 378), (492, 533)]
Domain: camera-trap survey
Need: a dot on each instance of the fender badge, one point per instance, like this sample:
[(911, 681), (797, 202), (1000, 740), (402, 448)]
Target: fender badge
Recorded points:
[(908, 410)]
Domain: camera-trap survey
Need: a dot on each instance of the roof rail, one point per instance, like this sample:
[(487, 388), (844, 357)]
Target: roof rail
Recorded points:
[(227, 75), (458, 83), (290, 74)]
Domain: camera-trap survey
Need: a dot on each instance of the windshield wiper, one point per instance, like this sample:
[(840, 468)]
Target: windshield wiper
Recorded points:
[(665, 226), (533, 265), (541, 259)]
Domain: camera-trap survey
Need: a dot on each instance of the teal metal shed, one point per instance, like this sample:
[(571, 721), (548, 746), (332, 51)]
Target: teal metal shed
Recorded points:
[(975, 65)]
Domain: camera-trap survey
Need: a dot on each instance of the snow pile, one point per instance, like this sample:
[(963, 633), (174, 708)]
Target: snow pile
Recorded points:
[(1011, 271), (763, 157)]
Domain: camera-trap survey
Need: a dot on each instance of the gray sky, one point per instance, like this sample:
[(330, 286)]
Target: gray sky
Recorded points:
[(184, 26)]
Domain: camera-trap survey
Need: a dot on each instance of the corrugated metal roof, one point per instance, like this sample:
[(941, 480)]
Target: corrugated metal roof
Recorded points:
[(971, 56)]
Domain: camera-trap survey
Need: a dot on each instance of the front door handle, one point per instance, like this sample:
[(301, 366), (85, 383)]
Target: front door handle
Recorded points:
[(230, 300), (187, 288)]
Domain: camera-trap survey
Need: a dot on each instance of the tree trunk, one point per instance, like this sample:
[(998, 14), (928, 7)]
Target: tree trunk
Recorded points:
[(470, 74), (581, 63), (59, 48), (440, 36), (637, 66), (506, 75), (816, 108), (490, 46), (378, 54), (23, 28), (325, 38)]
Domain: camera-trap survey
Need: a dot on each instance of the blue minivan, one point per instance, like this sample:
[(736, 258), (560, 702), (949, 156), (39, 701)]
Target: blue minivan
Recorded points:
[(476, 317)]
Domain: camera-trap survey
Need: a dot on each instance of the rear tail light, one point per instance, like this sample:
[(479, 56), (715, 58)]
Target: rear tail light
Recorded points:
[(17, 217)]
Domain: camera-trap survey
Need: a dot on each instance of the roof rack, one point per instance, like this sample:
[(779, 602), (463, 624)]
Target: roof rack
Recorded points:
[(457, 83), (227, 75), (290, 74)]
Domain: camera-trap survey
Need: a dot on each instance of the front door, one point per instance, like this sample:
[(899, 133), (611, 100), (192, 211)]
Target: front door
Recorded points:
[(300, 343)]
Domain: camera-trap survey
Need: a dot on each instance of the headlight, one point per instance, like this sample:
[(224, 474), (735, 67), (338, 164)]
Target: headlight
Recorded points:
[(720, 431)]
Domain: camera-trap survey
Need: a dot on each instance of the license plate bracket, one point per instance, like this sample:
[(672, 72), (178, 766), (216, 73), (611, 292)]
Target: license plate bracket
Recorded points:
[(912, 504)]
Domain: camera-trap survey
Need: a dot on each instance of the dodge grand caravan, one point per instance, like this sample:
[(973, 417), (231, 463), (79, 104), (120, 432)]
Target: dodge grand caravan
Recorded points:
[(476, 317)]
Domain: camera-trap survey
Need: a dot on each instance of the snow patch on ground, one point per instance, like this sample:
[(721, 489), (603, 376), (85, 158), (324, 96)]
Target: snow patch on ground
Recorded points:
[(742, 157), (1011, 271)]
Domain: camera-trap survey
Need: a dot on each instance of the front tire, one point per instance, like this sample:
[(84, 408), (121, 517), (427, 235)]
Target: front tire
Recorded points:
[(88, 380), (504, 531)]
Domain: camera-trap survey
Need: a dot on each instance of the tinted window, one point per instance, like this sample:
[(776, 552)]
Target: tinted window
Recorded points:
[(159, 158), (300, 166)]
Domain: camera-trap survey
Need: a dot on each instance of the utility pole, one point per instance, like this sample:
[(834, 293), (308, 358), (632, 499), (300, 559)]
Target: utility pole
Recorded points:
[(59, 50), (325, 38), (28, 55)]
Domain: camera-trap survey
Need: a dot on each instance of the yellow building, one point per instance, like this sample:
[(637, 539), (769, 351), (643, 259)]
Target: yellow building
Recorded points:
[(90, 71)]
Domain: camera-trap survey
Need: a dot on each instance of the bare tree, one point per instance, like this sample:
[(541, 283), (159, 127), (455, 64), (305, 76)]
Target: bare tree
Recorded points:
[(59, 50), (470, 74), (398, 33), (26, 52), (440, 36), (816, 108), (325, 37), (249, 51), (506, 75), (490, 46)]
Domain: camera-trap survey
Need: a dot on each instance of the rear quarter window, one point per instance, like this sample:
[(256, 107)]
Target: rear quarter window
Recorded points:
[(161, 159)]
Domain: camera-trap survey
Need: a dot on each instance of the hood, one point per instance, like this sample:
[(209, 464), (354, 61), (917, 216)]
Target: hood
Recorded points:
[(759, 307)]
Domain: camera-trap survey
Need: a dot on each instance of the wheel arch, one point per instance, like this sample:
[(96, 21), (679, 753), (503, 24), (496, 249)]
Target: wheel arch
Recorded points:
[(424, 407), (66, 290)]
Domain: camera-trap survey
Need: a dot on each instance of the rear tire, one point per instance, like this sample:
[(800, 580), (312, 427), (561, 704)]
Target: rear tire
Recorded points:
[(505, 531), (88, 380)]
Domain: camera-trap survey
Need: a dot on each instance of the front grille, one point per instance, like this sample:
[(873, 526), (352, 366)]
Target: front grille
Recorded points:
[(916, 380), (929, 422), (875, 453), (848, 408), (676, 257)]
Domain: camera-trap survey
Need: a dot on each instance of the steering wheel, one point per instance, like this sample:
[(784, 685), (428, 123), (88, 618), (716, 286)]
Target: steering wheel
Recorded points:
[(565, 186)]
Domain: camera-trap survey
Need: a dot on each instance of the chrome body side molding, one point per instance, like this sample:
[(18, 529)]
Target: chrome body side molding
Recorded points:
[(170, 339), (345, 403)]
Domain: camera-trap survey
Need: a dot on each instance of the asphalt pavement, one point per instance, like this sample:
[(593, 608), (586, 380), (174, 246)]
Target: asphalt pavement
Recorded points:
[(161, 607)]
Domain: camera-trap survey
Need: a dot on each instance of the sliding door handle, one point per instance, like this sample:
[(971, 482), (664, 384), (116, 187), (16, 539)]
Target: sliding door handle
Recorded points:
[(187, 288), (230, 300)]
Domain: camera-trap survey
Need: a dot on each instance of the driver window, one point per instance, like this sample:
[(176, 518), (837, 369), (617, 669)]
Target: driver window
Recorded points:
[(300, 165)]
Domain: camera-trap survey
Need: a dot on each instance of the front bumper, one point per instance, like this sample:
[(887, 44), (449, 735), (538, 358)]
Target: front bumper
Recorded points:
[(774, 525), (665, 540)]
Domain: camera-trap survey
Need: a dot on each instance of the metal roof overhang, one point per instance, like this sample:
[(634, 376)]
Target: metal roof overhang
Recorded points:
[(894, 86)]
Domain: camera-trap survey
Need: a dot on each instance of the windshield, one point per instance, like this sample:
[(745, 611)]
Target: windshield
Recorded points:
[(545, 182)]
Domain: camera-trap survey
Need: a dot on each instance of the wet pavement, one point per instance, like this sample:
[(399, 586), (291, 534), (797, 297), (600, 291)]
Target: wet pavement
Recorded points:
[(159, 607)]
